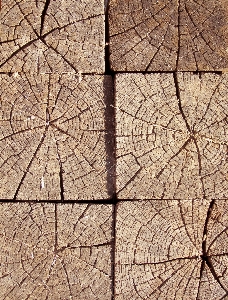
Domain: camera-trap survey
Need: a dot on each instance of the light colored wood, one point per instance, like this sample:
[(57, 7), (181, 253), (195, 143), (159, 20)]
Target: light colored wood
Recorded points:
[(52, 37), (168, 35), (168, 147), (170, 249), (55, 252), (53, 131)]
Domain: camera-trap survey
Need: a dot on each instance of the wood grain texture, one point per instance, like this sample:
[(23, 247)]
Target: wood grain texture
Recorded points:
[(113, 162), (171, 135), (57, 252), (168, 35), (171, 249), (52, 36), (53, 137)]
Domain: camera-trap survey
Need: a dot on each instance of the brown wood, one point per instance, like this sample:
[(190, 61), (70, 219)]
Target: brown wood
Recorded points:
[(55, 252), (104, 199), (52, 36), (171, 136), (53, 132), (168, 35), (170, 249)]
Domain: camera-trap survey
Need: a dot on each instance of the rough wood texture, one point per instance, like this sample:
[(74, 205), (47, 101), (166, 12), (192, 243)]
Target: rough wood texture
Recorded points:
[(168, 35), (53, 131), (171, 133), (170, 249), (52, 37), (55, 252)]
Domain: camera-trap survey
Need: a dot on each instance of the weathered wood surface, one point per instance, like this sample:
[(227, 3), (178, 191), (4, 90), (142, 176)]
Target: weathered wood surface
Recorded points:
[(52, 36), (171, 135), (168, 35), (57, 252), (57, 131), (53, 137), (170, 249)]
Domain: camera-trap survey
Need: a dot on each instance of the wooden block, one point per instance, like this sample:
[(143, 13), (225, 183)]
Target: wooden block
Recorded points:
[(171, 249), (52, 36), (54, 251), (54, 137), (168, 35), (171, 135)]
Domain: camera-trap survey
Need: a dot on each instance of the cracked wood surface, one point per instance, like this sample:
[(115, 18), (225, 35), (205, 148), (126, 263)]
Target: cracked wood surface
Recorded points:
[(52, 36), (63, 137), (53, 137), (51, 251), (171, 135), (177, 250), (168, 35)]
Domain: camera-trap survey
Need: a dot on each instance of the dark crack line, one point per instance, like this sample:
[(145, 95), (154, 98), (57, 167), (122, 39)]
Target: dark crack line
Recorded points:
[(33, 89), (58, 53), (61, 180), (136, 290), (202, 268), (69, 247), (88, 264), (194, 50), (205, 230), (210, 100), (195, 257), (158, 49), (70, 23), (60, 173), (165, 281), (25, 17), (78, 143), (214, 240), (130, 180), (149, 123), (200, 166), (78, 221), (44, 12), (69, 119), (200, 33), (21, 131), (142, 22), (205, 256), (218, 255), (18, 50), (43, 36), (213, 272), (30, 163), (174, 155), (178, 34), (67, 278), (188, 281), (185, 225), (179, 100), (224, 297), (132, 28), (5, 42), (107, 41)]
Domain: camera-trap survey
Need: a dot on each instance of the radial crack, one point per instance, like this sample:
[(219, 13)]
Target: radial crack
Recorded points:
[(29, 165), (179, 100), (44, 12), (205, 256), (178, 35), (60, 173)]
